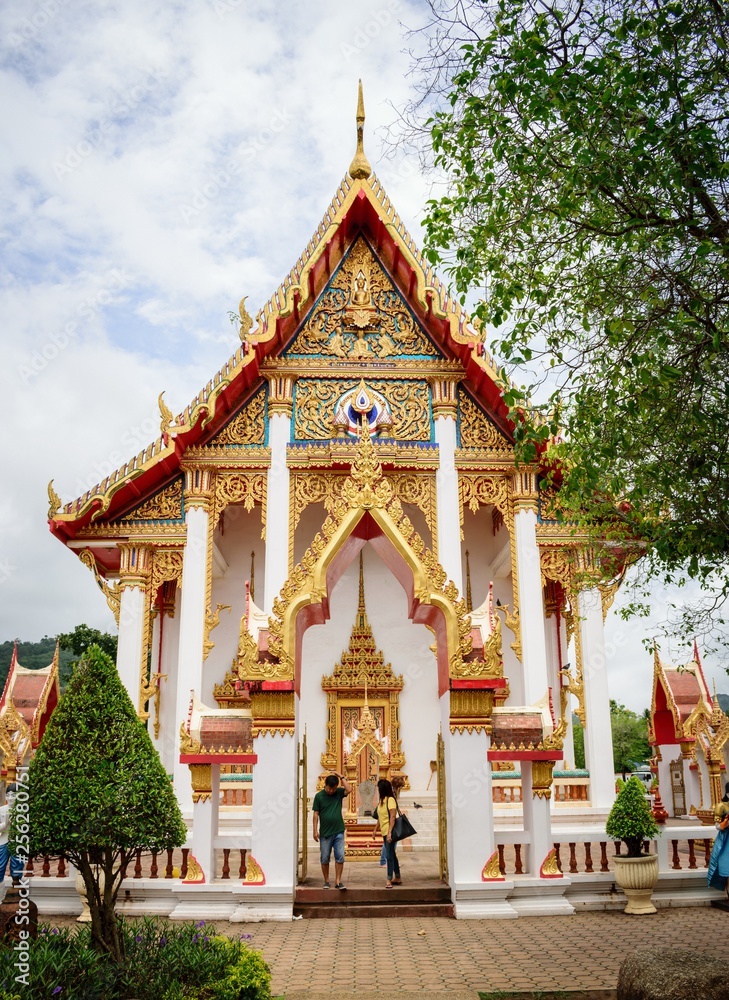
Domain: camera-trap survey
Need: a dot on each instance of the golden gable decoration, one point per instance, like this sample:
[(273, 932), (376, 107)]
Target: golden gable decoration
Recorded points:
[(163, 506), (316, 401), (248, 427), (361, 316), (477, 431)]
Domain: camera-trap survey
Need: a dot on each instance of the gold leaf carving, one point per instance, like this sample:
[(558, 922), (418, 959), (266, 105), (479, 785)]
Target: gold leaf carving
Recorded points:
[(477, 431), (316, 401), (361, 315), (248, 427), (163, 506)]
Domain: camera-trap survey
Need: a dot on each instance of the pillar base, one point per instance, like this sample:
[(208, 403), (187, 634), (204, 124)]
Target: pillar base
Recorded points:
[(483, 901), (538, 897)]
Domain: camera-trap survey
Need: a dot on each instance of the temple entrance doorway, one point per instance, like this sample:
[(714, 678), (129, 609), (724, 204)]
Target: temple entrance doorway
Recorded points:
[(369, 706)]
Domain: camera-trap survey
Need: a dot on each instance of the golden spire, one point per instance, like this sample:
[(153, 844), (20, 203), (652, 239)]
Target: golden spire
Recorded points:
[(359, 168), (361, 611)]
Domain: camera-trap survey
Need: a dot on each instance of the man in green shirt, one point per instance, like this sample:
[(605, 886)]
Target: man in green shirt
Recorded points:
[(329, 823)]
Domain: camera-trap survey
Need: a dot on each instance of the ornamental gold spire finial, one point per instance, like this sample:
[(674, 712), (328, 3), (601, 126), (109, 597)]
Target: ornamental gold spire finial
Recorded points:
[(359, 168)]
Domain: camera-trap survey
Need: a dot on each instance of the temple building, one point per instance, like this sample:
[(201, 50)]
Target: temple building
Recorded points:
[(329, 561), (689, 732), (26, 705)]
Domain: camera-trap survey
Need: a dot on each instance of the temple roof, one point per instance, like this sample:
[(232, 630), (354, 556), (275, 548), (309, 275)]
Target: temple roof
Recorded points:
[(679, 693), (360, 206), (30, 696)]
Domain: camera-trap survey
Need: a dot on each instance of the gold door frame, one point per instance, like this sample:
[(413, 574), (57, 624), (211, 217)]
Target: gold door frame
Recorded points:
[(442, 813), (303, 811)]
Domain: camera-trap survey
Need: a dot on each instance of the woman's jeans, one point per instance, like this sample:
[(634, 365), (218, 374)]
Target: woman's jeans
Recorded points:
[(393, 866)]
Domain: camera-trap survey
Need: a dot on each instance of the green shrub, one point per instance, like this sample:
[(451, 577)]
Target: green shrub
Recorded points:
[(631, 819), (163, 961)]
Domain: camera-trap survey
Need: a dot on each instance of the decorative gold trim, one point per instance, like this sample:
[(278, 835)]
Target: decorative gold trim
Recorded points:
[(471, 711), (54, 502), (280, 393), (201, 778), (273, 713), (550, 868), (111, 591), (542, 778), (365, 489), (254, 873), (491, 871), (444, 396), (195, 874)]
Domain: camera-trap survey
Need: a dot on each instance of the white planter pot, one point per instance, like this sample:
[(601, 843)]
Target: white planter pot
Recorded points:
[(637, 878)]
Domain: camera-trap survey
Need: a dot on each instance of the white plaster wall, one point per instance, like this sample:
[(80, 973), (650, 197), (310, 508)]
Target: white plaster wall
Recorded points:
[(404, 645), (241, 535), (169, 724), (483, 548)]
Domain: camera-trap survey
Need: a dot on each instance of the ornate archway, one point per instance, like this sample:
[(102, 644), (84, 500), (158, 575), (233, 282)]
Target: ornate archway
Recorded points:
[(368, 512)]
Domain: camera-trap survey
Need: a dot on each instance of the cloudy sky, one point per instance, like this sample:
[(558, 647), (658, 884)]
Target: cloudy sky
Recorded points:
[(159, 160)]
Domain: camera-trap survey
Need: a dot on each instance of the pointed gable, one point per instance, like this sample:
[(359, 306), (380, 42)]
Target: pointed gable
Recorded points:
[(361, 267)]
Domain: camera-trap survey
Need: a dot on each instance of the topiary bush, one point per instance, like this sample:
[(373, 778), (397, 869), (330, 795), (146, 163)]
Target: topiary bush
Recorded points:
[(631, 819), (163, 961)]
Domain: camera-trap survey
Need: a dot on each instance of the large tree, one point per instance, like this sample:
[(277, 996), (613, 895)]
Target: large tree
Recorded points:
[(98, 791), (630, 738), (586, 151)]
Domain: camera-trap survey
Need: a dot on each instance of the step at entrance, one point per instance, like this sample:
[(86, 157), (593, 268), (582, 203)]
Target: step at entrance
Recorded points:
[(318, 903)]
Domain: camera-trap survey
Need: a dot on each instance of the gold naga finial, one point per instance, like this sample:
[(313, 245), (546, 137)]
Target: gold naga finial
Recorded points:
[(54, 502), (246, 323), (167, 417), (359, 168)]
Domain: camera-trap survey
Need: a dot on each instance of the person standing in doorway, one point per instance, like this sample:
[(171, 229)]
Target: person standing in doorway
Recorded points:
[(329, 826), (386, 815)]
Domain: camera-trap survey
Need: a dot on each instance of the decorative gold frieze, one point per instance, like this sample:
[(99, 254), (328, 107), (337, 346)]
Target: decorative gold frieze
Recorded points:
[(273, 713), (471, 711), (246, 488), (323, 455), (477, 431), (361, 316), (163, 506), (316, 402), (542, 778), (166, 568), (248, 426)]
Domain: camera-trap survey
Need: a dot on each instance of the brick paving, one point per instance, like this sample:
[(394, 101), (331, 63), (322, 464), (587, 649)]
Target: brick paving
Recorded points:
[(578, 953)]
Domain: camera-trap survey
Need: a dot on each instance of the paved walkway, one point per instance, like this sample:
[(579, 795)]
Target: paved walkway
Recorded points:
[(582, 952)]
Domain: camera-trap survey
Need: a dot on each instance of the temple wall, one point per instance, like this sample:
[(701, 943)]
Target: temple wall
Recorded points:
[(404, 645), (240, 537)]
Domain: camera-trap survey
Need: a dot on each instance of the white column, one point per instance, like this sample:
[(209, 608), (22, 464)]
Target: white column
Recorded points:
[(447, 500), (531, 602), (598, 732), (273, 812), (205, 825), (537, 821), (692, 786), (277, 508), (129, 649), (192, 633), (471, 816)]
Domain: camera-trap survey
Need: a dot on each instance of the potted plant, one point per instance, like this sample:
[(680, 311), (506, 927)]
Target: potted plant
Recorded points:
[(632, 821)]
